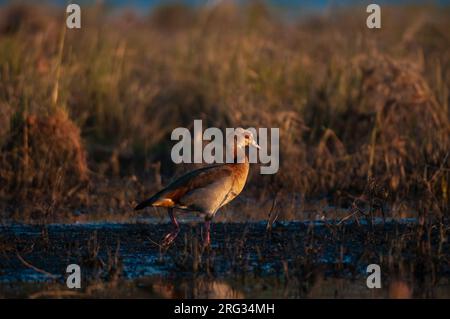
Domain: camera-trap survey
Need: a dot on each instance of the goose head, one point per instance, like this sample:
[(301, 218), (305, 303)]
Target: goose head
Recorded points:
[(244, 138)]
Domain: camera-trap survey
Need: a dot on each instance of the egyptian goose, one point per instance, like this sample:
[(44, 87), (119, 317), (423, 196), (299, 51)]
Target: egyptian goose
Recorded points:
[(205, 190)]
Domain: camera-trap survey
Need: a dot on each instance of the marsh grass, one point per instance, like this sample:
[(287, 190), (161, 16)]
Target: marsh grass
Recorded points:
[(86, 116)]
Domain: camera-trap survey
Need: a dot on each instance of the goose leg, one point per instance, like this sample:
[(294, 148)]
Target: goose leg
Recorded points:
[(170, 237), (207, 239)]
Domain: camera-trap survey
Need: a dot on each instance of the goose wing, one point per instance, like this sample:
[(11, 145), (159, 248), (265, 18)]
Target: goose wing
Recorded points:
[(200, 189)]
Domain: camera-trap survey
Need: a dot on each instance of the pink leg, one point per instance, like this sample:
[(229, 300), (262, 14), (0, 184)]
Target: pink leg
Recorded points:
[(170, 237), (207, 239)]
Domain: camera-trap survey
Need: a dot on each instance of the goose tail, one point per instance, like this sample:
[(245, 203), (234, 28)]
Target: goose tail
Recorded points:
[(145, 203), (148, 202), (156, 200)]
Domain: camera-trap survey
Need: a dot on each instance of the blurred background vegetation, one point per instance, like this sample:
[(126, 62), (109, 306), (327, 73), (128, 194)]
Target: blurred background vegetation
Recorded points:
[(86, 114)]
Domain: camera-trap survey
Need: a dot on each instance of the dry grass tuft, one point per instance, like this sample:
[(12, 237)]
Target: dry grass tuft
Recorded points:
[(44, 158)]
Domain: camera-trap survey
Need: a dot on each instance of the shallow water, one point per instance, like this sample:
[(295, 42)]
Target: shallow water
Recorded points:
[(316, 259)]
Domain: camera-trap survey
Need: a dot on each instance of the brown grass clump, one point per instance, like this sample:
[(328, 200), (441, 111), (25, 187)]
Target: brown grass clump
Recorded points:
[(391, 135), (411, 130), (21, 16), (43, 160)]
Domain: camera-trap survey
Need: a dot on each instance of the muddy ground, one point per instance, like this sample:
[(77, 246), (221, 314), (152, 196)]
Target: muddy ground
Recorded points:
[(294, 260)]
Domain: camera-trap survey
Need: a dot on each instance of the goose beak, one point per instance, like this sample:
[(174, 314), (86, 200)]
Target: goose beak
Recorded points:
[(255, 144)]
